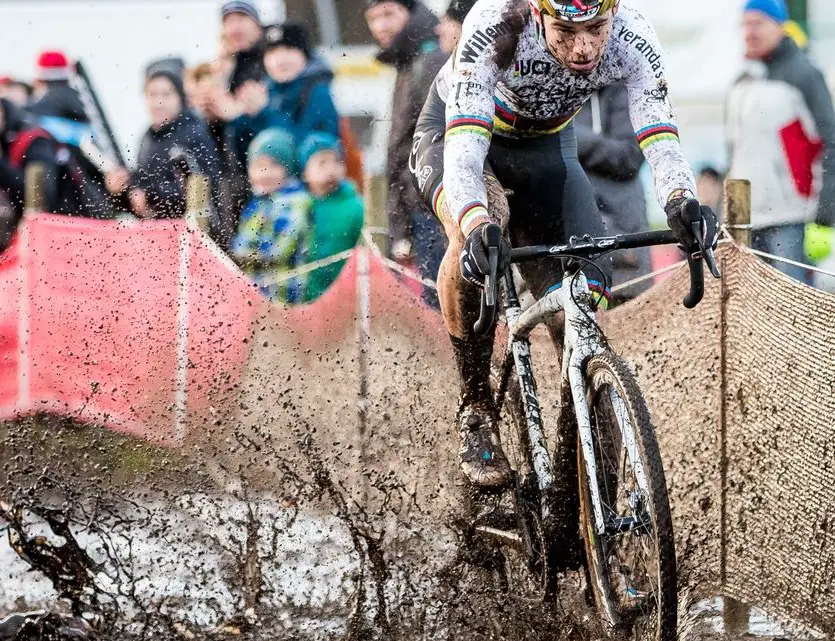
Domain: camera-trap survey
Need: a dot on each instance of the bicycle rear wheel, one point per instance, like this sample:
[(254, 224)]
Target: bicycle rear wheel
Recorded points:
[(632, 566)]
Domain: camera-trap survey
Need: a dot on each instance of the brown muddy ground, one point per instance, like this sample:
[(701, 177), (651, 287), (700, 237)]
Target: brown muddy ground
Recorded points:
[(245, 556)]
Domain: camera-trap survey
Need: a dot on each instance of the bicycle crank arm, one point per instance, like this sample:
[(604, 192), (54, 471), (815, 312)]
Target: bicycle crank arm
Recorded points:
[(504, 536)]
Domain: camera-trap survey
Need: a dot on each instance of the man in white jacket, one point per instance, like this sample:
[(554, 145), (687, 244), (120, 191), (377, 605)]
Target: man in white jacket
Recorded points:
[(781, 130)]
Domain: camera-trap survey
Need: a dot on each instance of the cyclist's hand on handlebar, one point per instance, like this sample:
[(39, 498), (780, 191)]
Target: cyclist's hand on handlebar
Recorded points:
[(474, 261), (694, 225)]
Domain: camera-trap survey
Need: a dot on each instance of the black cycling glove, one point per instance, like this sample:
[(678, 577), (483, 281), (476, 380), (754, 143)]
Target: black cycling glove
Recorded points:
[(682, 212), (474, 263)]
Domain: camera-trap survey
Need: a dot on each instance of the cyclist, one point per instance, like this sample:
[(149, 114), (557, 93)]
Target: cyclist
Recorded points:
[(495, 143)]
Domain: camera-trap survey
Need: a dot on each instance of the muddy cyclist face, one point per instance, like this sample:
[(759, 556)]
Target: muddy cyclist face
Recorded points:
[(578, 46)]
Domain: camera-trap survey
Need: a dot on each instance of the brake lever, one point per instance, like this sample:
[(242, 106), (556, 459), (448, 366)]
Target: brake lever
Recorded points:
[(704, 252), (490, 279), (487, 318)]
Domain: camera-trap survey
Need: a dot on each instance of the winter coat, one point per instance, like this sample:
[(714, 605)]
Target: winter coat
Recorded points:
[(161, 176), (612, 159), (60, 101), (336, 226), (301, 106), (781, 131), (14, 160), (271, 240), (418, 59), (249, 65), (67, 189)]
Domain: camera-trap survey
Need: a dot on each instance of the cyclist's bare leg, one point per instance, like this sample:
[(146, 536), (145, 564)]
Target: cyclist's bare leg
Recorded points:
[(483, 460)]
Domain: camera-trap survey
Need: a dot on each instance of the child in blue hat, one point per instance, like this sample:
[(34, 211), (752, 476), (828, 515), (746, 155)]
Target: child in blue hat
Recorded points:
[(274, 224)]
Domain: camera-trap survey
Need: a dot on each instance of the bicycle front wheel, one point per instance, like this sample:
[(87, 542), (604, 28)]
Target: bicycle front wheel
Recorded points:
[(632, 564)]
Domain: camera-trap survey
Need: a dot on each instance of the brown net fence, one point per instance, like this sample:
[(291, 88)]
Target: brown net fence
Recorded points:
[(742, 393)]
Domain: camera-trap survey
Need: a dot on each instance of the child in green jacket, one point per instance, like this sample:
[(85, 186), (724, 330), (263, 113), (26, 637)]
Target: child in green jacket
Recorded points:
[(337, 218)]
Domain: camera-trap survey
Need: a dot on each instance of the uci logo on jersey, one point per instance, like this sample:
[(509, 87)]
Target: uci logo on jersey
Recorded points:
[(531, 67)]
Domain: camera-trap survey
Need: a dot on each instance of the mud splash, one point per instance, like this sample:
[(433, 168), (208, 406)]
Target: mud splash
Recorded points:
[(148, 544)]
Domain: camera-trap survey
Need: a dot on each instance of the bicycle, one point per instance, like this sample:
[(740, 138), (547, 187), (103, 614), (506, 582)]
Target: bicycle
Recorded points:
[(625, 519)]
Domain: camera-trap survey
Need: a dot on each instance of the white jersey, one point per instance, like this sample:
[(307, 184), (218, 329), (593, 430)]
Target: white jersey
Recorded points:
[(530, 93)]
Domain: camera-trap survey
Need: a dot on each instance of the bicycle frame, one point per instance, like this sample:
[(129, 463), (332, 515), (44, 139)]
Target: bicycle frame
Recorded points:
[(583, 340)]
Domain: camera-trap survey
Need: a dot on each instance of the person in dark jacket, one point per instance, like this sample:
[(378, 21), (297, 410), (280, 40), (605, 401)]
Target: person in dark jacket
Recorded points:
[(405, 32), (611, 157), (21, 144), (58, 99), (176, 143), (296, 96), (241, 61), (243, 35)]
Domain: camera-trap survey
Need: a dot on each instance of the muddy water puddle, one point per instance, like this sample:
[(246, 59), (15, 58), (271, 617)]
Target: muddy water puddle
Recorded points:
[(205, 560)]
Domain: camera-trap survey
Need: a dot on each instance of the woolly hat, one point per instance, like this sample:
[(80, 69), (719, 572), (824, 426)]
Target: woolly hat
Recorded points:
[(172, 69), (246, 7), (458, 9), (293, 34), (52, 65), (774, 9), (276, 144), (409, 4), (316, 142)]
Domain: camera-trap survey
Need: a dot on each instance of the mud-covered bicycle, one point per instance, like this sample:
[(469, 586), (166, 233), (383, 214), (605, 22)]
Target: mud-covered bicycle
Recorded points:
[(625, 518)]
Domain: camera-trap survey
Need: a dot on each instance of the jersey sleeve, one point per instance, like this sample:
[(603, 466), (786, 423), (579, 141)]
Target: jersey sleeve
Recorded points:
[(650, 109), (470, 109)]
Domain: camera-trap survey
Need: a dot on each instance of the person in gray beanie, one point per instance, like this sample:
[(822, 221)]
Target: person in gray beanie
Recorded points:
[(243, 34)]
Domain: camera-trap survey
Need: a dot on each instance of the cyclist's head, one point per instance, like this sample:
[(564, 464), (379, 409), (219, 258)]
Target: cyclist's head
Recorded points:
[(576, 31)]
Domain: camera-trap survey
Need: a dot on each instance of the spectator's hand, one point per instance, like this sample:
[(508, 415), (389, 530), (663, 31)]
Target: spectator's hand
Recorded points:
[(117, 180), (253, 96), (401, 250), (225, 106), (202, 101), (139, 203)]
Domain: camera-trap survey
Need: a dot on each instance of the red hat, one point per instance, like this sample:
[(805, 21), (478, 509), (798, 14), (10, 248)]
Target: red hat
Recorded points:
[(53, 65)]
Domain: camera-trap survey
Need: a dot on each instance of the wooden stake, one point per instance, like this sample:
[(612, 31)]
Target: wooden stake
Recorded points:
[(738, 210)]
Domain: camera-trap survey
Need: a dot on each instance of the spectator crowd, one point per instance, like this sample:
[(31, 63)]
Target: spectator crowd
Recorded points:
[(286, 173)]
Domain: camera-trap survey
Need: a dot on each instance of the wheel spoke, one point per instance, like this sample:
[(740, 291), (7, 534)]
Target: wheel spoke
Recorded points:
[(632, 556)]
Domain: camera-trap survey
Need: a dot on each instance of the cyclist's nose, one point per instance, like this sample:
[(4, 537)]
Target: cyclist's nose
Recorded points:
[(584, 47)]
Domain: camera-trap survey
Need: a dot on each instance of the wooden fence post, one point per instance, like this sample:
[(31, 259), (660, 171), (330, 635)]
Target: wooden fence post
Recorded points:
[(376, 200), (198, 202), (738, 210), (34, 184), (735, 614)]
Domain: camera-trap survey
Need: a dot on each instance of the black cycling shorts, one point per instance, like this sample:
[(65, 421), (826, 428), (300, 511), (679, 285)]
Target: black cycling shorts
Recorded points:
[(549, 195)]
